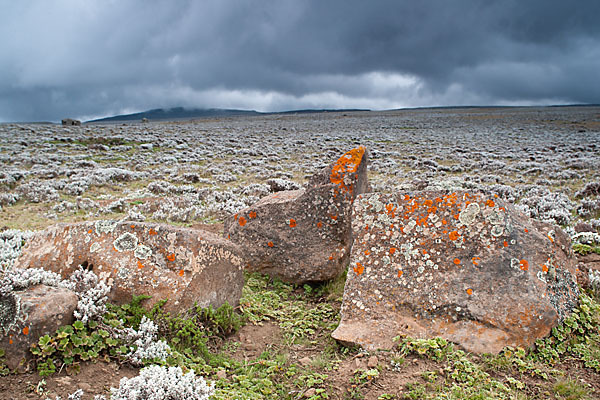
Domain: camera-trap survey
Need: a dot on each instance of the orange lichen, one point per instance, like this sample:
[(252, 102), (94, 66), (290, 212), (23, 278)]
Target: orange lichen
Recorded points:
[(453, 235), (456, 261), (400, 272), (252, 214), (152, 232), (270, 244), (348, 163), (171, 257), (367, 252), (90, 231), (544, 268), (475, 260), (26, 330), (359, 269), (526, 230), (444, 222), (490, 203), (181, 272), (292, 223), (505, 243), (140, 265), (524, 265), (242, 221), (132, 226), (320, 225), (469, 291), (392, 250)]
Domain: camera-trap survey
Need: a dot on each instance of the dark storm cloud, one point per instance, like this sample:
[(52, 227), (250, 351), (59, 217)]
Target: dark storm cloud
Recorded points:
[(74, 58)]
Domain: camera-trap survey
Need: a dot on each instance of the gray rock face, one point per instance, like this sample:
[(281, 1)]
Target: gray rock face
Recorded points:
[(184, 265), (463, 266), (303, 235), (27, 315)]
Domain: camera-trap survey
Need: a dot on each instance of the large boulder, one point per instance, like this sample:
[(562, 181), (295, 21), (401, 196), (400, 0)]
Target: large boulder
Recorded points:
[(186, 266), (27, 315), (463, 266), (303, 235)]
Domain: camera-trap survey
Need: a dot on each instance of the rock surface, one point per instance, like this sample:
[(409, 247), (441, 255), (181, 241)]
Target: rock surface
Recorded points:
[(462, 266), (29, 314), (71, 122), (588, 270), (303, 235), (183, 265)]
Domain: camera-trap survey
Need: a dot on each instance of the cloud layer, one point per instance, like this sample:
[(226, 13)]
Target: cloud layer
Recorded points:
[(93, 58)]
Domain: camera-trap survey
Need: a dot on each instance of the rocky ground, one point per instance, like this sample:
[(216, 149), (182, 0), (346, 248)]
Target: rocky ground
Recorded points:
[(546, 160)]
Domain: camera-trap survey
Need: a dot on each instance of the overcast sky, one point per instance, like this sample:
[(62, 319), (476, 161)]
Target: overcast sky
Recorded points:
[(90, 58)]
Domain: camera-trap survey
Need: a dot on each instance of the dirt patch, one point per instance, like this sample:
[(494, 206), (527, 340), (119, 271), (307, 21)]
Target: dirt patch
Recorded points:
[(252, 340), (93, 378)]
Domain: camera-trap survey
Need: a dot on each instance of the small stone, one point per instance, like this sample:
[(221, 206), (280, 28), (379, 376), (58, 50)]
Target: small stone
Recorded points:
[(304, 361), (221, 374), (372, 362), (310, 393), (42, 309), (86, 387)]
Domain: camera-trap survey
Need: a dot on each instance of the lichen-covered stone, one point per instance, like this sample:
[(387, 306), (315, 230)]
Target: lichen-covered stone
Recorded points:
[(26, 315), (463, 266), (184, 265), (303, 235)]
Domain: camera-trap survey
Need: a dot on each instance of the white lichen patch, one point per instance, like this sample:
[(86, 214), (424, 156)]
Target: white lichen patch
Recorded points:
[(95, 247), (105, 226), (142, 252), (469, 214), (126, 242)]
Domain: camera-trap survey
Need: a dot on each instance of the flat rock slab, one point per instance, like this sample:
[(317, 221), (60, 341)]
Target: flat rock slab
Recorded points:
[(29, 314), (462, 266), (184, 265), (303, 235)]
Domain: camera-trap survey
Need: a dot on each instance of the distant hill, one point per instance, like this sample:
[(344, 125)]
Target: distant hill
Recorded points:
[(167, 114), (177, 113)]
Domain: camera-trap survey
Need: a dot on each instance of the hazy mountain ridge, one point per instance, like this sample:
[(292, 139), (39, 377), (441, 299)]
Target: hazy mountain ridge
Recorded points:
[(165, 114)]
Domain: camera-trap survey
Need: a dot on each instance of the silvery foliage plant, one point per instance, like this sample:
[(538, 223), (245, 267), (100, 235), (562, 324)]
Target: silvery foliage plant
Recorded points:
[(162, 383), (11, 242), (19, 279), (146, 345), (157, 383), (92, 294)]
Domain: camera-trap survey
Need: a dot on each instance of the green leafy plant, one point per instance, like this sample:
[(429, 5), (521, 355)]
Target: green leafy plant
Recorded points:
[(3, 368), (72, 344), (578, 336), (585, 249)]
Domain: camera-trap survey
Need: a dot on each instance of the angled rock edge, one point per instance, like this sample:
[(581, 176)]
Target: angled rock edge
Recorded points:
[(463, 266), (303, 235), (184, 265), (29, 314)]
